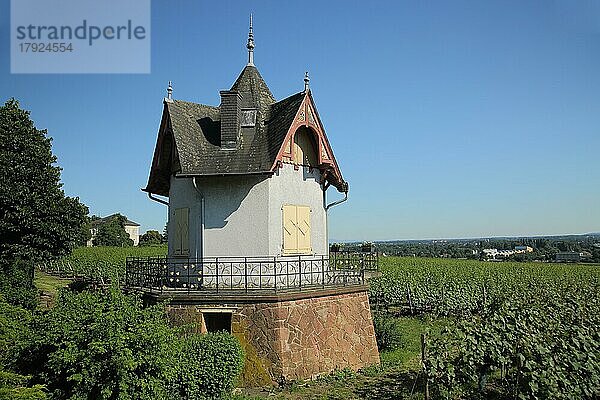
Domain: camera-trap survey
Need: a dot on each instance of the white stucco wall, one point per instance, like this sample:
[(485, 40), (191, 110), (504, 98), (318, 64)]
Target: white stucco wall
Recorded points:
[(134, 233), (236, 215), (297, 187), (243, 214)]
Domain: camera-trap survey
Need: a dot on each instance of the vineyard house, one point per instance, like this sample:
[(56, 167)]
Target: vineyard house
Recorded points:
[(246, 183), (247, 177)]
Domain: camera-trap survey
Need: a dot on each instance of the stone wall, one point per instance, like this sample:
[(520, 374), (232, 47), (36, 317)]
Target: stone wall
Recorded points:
[(308, 337), (297, 336)]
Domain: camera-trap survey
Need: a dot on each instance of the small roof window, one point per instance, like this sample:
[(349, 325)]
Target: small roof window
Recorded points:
[(248, 117)]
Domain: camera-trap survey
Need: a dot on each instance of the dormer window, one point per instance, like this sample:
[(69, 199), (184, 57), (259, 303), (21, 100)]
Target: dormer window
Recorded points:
[(248, 117)]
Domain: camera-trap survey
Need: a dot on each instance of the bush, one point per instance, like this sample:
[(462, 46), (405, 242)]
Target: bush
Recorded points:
[(151, 238), (387, 333), (14, 387), (101, 346), (16, 284), (208, 366), (14, 332)]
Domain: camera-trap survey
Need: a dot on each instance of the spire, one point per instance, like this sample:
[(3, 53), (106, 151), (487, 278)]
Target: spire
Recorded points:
[(250, 44), (306, 81), (169, 98)]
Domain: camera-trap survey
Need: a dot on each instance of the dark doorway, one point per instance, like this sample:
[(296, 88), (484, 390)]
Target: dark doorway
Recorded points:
[(217, 321)]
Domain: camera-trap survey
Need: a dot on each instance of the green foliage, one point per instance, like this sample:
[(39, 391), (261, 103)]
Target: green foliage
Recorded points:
[(16, 284), (14, 332), (111, 232), (106, 263), (544, 344), (151, 238), (37, 220), (448, 287), (15, 387), (85, 233), (526, 331), (208, 366), (387, 332), (101, 346)]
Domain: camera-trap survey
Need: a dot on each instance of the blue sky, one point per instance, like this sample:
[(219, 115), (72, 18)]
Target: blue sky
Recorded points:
[(448, 119)]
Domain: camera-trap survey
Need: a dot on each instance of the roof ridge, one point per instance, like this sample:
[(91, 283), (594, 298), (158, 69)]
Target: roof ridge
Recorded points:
[(194, 103)]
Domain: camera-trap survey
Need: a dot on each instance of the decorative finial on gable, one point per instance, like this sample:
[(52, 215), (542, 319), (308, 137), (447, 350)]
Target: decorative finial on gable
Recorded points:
[(306, 81), (250, 44), (169, 98)]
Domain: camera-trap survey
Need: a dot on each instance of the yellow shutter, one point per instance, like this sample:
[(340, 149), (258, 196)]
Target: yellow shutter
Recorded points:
[(296, 229), (290, 232), (303, 213), (181, 245)]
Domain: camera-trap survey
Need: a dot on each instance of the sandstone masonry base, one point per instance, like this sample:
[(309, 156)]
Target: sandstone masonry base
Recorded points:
[(296, 336)]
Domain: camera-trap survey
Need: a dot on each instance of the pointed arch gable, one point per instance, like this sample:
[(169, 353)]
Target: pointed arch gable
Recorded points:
[(307, 116), (165, 159)]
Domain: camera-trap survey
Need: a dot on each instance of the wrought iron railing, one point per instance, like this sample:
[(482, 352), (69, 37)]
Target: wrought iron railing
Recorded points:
[(246, 274), (367, 261)]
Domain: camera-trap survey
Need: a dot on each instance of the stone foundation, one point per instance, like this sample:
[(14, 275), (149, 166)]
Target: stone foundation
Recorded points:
[(293, 336)]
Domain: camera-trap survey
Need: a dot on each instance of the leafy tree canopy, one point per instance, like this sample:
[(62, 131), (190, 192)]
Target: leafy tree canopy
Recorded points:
[(108, 345), (111, 232), (37, 220), (151, 238), (101, 345)]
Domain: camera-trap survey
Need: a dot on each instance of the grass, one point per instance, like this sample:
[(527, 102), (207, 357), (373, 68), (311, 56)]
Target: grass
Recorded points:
[(48, 286), (408, 355)]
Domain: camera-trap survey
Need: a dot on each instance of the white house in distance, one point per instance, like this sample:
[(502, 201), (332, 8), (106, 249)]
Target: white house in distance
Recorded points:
[(132, 229), (247, 177)]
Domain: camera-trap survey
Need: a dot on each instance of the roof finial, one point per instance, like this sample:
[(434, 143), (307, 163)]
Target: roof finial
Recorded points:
[(169, 98), (250, 44), (306, 81)]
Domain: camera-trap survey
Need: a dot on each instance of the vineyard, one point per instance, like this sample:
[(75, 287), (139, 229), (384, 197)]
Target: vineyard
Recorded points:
[(518, 330), (105, 264), (512, 330)]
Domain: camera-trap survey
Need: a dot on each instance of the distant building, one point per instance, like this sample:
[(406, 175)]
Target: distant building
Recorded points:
[(505, 253), (132, 229), (523, 249), (569, 256), (493, 253), (490, 253)]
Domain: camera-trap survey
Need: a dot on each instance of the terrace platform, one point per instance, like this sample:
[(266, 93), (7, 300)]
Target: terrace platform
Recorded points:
[(296, 317), (248, 275)]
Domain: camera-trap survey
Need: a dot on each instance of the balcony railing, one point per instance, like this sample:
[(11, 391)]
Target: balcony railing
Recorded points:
[(247, 274)]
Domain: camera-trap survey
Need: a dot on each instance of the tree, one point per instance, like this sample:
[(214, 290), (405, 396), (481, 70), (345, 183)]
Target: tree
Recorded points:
[(111, 232), (37, 221), (151, 238), (85, 233), (110, 345), (101, 345)]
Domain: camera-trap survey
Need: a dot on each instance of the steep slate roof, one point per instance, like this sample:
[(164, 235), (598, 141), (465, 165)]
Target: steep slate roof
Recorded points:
[(196, 133)]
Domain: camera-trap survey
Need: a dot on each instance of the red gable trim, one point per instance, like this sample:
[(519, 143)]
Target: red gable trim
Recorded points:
[(308, 116)]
